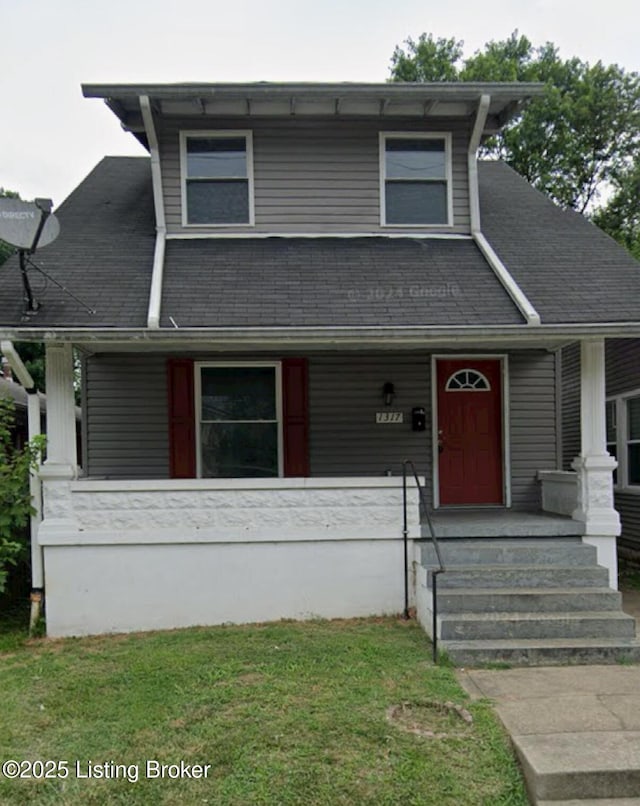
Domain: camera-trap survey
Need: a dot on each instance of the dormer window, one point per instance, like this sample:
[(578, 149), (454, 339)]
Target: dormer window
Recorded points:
[(415, 178), (217, 178)]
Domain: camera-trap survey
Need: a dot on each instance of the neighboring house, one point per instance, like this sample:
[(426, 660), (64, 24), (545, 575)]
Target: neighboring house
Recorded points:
[(623, 430), (304, 286), (11, 390)]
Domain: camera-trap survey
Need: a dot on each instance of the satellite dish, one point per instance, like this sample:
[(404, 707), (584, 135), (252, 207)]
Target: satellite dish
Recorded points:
[(27, 225)]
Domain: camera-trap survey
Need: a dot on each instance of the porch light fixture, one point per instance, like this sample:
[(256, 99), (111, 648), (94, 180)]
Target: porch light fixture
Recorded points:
[(388, 393)]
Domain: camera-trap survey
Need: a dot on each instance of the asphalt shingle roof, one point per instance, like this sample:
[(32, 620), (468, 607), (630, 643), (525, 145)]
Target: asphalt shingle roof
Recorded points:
[(330, 281), (570, 271), (104, 254)]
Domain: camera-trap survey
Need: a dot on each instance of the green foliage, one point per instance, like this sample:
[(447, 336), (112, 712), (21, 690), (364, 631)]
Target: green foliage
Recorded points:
[(15, 500), (33, 356), (428, 59), (575, 140), (620, 217)]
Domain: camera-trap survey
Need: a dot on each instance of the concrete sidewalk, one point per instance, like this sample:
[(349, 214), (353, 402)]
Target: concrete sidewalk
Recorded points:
[(576, 729)]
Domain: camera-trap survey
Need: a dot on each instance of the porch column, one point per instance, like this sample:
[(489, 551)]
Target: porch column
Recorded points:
[(594, 466), (60, 466)]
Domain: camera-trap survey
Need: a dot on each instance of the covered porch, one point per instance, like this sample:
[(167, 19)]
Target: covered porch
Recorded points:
[(127, 549)]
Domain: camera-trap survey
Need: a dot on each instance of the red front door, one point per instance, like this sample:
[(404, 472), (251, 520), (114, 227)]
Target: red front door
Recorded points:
[(470, 431)]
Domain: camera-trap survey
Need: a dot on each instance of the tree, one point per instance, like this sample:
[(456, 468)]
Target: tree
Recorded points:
[(428, 59), (578, 138), (620, 217)]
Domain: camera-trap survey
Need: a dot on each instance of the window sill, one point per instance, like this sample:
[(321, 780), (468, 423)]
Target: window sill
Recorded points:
[(444, 225)]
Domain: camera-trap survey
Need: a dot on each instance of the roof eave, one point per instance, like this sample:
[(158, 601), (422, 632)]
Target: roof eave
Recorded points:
[(436, 89), (310, 337)]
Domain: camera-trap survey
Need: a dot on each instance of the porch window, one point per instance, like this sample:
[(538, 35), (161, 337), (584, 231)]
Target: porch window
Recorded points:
[(216, 178), (612, 433), (239, 428), (415, 179), (633, 441)]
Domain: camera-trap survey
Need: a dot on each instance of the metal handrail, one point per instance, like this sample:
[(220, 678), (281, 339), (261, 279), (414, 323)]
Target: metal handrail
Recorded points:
[(424, 507)]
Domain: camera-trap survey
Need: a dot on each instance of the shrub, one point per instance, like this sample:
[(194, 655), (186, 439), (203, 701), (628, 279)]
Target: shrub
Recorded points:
[(15, 498)]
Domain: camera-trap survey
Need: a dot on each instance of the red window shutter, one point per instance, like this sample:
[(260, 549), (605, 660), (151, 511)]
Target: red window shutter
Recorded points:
[(182, 450), (295, 416)]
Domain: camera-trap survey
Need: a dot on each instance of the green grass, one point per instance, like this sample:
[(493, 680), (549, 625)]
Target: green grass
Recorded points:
[(14, 623), (284, 713)]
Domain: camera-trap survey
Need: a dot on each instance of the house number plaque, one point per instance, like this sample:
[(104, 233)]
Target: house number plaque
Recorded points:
[(389, 417)]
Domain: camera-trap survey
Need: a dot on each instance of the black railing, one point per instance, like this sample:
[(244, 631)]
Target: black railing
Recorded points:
[(424, 510)]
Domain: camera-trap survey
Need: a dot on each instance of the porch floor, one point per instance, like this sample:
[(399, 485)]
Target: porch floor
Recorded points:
[(499, 523)]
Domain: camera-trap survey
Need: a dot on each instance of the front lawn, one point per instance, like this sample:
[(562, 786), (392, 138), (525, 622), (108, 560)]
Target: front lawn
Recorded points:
[(284, 713)]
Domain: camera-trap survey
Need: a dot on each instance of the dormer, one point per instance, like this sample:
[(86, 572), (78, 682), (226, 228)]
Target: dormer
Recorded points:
[(295, 159)]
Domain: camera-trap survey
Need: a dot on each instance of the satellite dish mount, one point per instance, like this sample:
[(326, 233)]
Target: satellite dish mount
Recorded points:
[(27, 226), (44, 206)]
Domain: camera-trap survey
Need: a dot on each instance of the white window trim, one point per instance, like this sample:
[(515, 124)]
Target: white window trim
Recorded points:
[(217, 133), (503, 358), (405, 135), (197, 385), (622, 423)]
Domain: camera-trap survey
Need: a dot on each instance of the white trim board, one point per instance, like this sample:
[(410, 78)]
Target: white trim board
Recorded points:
[(412, 236)]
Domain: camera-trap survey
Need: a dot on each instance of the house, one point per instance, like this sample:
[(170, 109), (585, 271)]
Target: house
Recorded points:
[(13, 391), (302, 287), (622, 366)]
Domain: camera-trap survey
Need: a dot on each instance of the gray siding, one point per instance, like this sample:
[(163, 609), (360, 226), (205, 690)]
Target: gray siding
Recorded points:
[(628, 505), (622, 365), (533, 424), (570, 385), (344, 394), (313, 175), (126, 417)]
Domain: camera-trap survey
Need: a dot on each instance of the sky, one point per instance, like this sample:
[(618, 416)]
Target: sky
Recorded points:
[(51, 137)]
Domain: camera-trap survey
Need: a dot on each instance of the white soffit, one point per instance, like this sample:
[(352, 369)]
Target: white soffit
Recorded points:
[(307, 107)]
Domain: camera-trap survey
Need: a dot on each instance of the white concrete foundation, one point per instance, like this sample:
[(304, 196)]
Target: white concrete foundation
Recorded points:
[(127, 588), (125, 556)]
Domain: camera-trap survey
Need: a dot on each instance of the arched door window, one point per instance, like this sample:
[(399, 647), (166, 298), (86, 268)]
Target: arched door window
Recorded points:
[(468, 380)]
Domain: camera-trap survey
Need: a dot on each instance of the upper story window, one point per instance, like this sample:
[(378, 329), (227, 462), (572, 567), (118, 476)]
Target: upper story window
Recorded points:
[(217, 178), (415, 176)]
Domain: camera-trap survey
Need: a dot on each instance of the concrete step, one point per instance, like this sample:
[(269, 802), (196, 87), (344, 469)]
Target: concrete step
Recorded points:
[(527, 600), (566, 766), (513, 626), (542, 652), (511, 551), (524, 576)]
